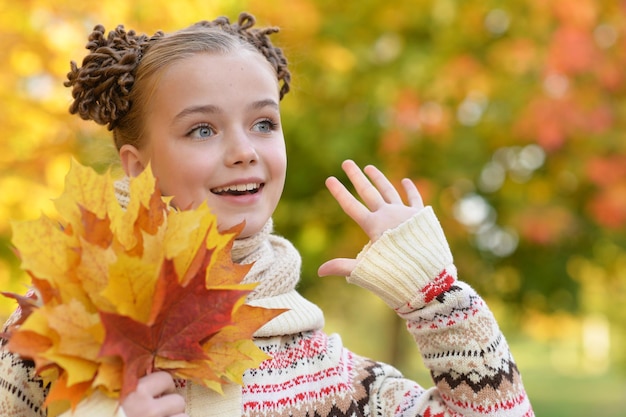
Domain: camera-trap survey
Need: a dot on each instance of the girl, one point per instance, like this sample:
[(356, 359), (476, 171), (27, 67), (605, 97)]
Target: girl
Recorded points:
[(201, 106)]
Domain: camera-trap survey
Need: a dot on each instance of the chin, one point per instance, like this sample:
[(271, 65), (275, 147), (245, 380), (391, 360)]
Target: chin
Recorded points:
[(250, 228)]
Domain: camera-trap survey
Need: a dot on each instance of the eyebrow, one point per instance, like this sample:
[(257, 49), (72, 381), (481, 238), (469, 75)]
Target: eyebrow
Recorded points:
[(210, 108), (207, 108), (263, 103)]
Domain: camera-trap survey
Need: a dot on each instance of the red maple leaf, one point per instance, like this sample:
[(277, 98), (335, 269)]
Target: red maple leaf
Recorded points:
[(184, 316)]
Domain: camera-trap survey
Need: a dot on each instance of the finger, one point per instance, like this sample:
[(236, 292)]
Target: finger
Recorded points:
[(157, 383), (413, 195), (384, 186), (364, 188), (172, 404), (348, 203), (140, 403), (342, 267)]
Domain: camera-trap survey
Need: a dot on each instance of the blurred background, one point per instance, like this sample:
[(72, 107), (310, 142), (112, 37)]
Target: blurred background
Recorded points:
[(509, 115)]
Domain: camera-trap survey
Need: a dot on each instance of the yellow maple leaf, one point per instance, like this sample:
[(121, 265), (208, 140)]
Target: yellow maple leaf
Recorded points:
[(85, 188), (93, 273), (187, 232), (144, 196), (131, 287), (44, 249), (110, 375)]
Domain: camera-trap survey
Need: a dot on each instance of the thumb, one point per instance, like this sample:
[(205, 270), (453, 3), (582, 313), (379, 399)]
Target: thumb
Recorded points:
[(340, 266)]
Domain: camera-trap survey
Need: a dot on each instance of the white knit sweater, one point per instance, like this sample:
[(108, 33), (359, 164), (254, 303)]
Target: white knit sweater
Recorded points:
[(313, 374)]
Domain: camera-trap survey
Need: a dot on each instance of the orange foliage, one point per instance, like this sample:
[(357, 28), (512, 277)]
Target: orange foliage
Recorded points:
[(546, 225)]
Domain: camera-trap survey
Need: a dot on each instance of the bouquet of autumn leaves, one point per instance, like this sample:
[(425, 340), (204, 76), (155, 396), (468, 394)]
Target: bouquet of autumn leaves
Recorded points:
[(119, 293)]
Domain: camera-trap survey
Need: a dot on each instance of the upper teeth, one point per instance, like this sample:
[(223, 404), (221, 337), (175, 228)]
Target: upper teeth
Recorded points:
[(238, 187)]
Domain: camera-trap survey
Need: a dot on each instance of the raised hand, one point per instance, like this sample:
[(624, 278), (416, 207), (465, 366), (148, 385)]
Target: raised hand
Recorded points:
[(382, 207), (155, 397)]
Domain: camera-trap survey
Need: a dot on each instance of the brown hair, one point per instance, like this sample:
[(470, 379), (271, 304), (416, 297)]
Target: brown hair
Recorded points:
[(111, 87)]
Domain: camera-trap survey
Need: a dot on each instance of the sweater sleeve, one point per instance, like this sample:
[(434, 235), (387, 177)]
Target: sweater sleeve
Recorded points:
[(22, 392), (411, 269)]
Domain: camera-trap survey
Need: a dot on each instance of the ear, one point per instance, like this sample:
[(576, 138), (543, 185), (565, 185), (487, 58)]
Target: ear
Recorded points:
[(131, 160)]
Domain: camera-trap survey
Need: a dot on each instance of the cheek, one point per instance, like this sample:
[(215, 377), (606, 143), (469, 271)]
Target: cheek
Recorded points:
[(184, 165), (283, 169), (176, 178), (278, 158), (279, 174)]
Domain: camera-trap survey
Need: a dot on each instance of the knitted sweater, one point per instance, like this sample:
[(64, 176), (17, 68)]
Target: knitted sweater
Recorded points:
[(312, 374)]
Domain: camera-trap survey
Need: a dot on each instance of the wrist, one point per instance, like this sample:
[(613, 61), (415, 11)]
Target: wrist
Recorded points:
[(404, 260)]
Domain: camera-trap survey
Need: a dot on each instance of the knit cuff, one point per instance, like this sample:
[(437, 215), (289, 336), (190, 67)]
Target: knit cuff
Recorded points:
[(404, 260)]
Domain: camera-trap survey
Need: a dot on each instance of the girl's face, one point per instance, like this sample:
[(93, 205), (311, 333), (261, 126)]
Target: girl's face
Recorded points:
[(213, 134)]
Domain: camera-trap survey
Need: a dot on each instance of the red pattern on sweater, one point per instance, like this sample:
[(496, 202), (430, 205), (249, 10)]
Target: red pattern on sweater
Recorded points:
[(510, 404), (439, 285), (303, 386)]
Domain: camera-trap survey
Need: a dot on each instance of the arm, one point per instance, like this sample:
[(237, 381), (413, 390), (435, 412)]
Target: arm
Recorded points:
[(409, 265), (22, 392)]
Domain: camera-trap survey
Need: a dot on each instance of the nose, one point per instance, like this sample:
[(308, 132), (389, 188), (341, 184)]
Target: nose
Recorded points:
[(240, 150)]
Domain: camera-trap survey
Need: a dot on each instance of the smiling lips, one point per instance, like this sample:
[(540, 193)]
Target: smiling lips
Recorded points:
[(238, 189)]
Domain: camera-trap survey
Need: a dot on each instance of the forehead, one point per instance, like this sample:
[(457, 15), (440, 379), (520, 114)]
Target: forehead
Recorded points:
[(204, 66), (230, 81)]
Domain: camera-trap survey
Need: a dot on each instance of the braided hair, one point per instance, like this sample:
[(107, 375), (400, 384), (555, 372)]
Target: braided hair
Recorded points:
[(110, 87)]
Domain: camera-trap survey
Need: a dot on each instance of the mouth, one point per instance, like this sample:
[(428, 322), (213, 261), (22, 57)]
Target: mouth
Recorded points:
[(238, 189)]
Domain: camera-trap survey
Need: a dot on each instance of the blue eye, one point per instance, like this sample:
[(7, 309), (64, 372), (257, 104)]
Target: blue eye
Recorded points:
[(265, 126), (205, 131), (201, 131)]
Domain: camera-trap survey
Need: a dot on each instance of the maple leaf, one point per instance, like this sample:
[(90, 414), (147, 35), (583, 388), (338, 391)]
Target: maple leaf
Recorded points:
[(228, 353), (220, 349), (122, 292), (131, 287), (79, 334), (26, 305), (34, 240), (33, 338), (85, 188), (183, 316), (62, 391)]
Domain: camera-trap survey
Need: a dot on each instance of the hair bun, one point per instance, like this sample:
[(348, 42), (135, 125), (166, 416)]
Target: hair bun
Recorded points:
[(100, 87)]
